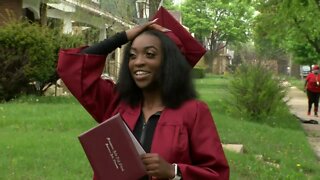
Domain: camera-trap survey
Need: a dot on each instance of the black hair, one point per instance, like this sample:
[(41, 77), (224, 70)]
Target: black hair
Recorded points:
[(174, 79)]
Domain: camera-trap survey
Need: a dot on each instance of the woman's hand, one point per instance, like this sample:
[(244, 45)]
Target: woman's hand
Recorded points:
[(157, 167), (135, 31)]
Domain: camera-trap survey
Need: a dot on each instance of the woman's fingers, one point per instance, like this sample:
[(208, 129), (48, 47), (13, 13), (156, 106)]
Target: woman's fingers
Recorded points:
[(156, 166), (152, 22), (159, 28), (133, 32)]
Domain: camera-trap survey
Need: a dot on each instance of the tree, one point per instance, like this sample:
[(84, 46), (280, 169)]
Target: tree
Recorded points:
[(168, 4), (292, 26), (244, 52), (218, 23), (268, 49), (43, 14), (153, 5)]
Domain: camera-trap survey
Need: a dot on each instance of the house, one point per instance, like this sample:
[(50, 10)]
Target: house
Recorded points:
[(75, 15), (222, 62), (79, 15)]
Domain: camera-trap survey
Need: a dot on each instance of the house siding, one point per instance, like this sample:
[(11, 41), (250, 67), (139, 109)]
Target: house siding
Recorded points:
[(13, 6)]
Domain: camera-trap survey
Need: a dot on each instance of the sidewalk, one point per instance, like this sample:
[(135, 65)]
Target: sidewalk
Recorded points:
[(298, 106)]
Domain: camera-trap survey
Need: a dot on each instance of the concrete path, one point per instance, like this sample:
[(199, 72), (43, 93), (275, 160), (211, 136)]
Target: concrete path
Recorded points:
[(297, 101)]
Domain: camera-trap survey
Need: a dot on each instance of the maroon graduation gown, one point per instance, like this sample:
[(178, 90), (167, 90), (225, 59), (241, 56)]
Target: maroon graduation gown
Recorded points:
[(186, 136)]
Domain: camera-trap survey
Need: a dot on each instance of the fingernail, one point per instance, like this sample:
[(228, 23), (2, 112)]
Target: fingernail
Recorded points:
[(155, 20)]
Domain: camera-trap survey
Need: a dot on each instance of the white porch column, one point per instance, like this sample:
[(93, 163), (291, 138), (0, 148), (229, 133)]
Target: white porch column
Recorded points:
[(67, 24), (117, 61), (102, 34)]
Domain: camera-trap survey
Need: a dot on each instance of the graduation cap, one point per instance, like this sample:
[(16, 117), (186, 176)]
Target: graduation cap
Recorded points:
[(315, 67), (188, 45)]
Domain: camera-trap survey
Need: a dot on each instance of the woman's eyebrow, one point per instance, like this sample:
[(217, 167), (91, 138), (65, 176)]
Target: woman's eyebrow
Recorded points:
[(150, 47), (145, 48)]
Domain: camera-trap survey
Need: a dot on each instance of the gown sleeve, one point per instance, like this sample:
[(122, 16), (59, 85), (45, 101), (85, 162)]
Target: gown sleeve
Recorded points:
[(81, 68)]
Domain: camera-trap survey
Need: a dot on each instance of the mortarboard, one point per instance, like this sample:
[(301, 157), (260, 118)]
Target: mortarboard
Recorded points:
[(315, 67), (188, 45)]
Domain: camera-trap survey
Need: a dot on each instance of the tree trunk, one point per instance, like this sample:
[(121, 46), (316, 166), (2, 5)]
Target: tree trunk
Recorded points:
[(43, 14), (209, 61), (210, 57), (153, 5), (212, 52)]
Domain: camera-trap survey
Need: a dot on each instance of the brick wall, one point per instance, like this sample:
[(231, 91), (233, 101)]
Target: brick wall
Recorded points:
[(14, 6)]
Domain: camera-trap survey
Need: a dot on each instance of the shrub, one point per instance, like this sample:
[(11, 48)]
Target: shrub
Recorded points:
[(256, 93), (28, 53), (198, 72), (61, 41)]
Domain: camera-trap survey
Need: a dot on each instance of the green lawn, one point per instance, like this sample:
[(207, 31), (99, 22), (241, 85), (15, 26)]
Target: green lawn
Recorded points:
[(299, 83), (38, 139), (282, 143)]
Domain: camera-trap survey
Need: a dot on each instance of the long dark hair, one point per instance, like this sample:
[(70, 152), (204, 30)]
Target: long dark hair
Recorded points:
[(175, 76)]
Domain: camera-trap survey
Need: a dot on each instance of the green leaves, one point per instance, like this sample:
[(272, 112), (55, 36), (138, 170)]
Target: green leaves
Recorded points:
[(218, 23), (29, 53), (291, 25), (225, 20), (256, 92)]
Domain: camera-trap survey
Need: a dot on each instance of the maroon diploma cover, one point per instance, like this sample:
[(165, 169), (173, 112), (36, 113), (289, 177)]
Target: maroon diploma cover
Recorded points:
[(113, 151)]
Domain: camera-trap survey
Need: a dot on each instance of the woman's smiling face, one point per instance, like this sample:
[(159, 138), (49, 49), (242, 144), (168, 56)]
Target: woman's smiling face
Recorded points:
[(145, 61)]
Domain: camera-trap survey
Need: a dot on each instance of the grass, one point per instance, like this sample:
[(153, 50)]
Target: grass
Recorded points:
[(38, 139), (281, 142), (299, 83)]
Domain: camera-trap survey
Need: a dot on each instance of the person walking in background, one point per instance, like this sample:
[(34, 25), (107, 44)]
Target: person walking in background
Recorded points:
[(312, 86), (155, 96)]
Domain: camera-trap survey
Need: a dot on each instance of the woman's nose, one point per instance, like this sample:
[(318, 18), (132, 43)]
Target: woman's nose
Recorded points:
[(139, 61)]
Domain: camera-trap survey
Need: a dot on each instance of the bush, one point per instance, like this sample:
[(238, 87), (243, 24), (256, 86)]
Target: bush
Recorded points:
[(198, 73), (28, 53), (255, 92)]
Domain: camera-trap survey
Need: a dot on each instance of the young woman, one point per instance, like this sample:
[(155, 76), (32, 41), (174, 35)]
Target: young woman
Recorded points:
[(312, 86), (156, 98)]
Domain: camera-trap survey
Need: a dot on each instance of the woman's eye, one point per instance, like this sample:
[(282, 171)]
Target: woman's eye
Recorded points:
[(150, 55), (132, 55)]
